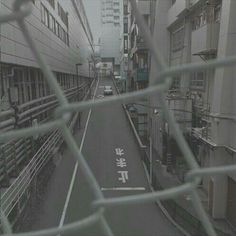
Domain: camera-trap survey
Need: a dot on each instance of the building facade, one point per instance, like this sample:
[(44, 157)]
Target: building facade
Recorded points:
[(139, 63), (110, 33), (124, 46), (62, 34), (63, 37), (189, 31)]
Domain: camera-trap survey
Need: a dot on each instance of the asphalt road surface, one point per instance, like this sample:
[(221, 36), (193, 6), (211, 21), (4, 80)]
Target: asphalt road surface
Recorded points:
[(113, 156)]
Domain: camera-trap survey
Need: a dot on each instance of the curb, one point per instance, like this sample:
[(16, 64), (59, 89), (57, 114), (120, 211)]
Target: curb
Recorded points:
[(163, 209), (130, 120)]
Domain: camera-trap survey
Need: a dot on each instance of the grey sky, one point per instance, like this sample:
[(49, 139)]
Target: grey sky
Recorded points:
[(93, 11)]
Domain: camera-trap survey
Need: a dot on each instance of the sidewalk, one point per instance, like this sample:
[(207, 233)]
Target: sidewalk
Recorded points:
[(181, 208)]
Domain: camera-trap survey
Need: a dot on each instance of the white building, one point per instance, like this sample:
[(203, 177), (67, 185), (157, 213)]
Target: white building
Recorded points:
[(189, 31), (111, 28)]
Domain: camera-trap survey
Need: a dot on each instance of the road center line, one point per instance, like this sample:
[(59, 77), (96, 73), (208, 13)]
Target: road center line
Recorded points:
[(76, 167), (124, 189)]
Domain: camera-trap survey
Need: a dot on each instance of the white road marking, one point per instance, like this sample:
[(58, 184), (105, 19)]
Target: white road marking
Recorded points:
[(76, 168), (121, 162), (119, 151), (123, 176), (124, 189), (68, 196)]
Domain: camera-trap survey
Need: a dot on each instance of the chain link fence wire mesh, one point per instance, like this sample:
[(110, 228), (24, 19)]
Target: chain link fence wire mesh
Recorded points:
[(157, 85)]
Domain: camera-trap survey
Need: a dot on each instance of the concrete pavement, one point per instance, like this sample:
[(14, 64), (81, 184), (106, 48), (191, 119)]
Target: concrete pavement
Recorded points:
[(113, 156)]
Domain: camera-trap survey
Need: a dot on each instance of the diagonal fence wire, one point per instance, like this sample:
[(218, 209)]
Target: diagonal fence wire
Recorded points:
[(159, 84)]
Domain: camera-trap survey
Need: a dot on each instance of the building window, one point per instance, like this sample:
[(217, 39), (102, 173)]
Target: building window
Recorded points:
[(60, 32), (52, 3), (52, 24), (143, 61), (175, 83), (67, 39), (126, 28), (178, 39), (198, 80), (63, 15), (44, 15), (57, 29), (49, 20), (125, 9)]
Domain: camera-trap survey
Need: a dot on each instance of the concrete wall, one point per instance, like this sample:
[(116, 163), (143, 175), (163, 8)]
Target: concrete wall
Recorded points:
[(162, 39)]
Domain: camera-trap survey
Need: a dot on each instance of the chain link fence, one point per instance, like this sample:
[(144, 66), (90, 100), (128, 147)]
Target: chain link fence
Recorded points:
[(158, 84)]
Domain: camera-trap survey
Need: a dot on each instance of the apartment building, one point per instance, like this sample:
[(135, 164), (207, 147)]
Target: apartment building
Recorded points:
[(110, 33), (203, 102)]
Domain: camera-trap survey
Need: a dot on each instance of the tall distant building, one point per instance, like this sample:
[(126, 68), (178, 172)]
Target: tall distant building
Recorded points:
[(111, 28), (125, 46)]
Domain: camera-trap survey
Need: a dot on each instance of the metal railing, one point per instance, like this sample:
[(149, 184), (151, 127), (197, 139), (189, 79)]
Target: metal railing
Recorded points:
[(14, 153), (12, 197), (158, 84)]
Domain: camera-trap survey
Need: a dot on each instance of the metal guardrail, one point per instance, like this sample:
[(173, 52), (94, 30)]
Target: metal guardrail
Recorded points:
[(12, 153), (163, 76), (34, 107), (17, 189)]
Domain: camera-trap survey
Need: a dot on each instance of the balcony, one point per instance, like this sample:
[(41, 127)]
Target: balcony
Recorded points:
[(203, 126), (144, 7), (203, 134), (176, 9), (205, 39), (142, 75)]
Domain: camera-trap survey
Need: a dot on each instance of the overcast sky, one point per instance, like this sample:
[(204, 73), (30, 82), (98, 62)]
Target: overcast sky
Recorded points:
[(93, 11)]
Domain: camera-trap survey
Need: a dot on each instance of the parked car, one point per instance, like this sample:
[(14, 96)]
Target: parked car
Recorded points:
[(107, 90)]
